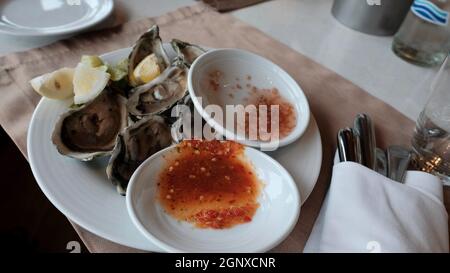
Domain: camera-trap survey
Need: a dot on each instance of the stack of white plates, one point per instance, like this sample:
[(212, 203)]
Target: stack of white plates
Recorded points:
[(51, 17)]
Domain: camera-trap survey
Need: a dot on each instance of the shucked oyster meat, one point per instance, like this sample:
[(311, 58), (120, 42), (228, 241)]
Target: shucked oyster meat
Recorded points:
[(138, 142), (91, 130), (161, 93), (149, 43)]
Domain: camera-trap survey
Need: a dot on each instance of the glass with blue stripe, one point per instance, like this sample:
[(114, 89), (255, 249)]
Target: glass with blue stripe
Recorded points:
[(431, 140), (424, 37)]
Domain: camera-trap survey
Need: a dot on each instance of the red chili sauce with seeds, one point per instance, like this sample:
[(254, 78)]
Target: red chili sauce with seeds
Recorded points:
[(287, 118), (214, 78), (210, 184)]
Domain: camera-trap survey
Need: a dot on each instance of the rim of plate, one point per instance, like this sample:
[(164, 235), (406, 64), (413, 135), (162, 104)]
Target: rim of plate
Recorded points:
[(102, 13), (169, 248)]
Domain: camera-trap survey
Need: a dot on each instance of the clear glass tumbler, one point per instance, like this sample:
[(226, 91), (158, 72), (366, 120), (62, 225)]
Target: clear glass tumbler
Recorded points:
[(424, 36), (431, 141)]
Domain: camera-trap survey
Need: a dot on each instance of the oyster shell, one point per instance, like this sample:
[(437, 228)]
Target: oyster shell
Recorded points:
[(92, 129), (147, 44), (138, 142), (160, 94), (186, 51)]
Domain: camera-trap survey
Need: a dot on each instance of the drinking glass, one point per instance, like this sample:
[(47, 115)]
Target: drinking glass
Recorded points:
[(431, 140), (424, 36)]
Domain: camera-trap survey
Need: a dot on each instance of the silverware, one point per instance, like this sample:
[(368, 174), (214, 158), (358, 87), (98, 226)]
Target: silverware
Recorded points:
[(398, 159), (365, 139), (347, 145), (381, 162), (358, 144)]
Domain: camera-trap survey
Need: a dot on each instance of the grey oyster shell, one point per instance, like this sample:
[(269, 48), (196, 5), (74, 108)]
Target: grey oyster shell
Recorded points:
[(91, 130), (134, 145), (161, 93), (147, 44), (186, 51)]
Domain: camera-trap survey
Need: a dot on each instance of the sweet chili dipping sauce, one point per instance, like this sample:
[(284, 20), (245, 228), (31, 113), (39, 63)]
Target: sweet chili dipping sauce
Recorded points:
[(210, 184), (287, 119)]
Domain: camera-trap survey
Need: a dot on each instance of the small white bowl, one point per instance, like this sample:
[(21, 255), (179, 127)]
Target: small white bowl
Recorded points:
[(239, 64), (273, 221)]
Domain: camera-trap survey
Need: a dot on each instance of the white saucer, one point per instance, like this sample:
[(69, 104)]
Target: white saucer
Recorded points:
[(279, 209), (51, 17)]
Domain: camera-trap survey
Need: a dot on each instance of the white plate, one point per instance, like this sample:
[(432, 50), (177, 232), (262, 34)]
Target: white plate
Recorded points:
[(82, 192), (239, 64), (274, 219), (51, 17)]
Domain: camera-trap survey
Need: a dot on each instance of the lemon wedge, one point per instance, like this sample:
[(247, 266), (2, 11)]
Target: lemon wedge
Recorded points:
[(55, 85), (92, 60), (147, 69), (103, 68), (88, 82), (118, 71)]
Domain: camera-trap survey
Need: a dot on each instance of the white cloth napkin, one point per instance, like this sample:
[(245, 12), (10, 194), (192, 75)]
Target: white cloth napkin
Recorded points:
[(367, 212)]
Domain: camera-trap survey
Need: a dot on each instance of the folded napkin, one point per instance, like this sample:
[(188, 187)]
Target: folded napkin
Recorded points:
[(226, 5), (367, 212)]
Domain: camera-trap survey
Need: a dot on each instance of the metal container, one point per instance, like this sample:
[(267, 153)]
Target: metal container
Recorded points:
[(377, 17)]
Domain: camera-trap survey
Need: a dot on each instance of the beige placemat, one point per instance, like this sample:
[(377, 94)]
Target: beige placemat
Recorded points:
[(334, 101)]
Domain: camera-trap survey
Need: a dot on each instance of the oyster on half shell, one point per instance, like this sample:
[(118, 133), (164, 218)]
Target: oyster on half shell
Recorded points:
[(160, 94), (186, 51), (91, 130), (134, 145), (149, 43)]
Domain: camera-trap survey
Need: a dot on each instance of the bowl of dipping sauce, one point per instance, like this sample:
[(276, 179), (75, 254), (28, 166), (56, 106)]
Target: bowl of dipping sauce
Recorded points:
[(225, 84), (213, 196)]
